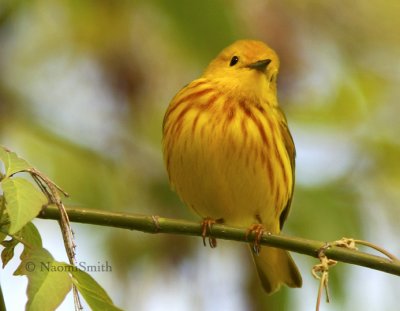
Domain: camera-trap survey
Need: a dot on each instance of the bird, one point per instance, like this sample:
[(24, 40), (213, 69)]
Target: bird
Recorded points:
[(229, 153)]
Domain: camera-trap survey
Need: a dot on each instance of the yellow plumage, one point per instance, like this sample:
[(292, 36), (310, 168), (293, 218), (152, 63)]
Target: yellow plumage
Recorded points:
[(229, 153)]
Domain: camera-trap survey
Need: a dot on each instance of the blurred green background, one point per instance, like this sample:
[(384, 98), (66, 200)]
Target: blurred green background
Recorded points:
[(83, 89)]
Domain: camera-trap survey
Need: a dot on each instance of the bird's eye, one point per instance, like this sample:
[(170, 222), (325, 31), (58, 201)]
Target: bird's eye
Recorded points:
[(234, 61)]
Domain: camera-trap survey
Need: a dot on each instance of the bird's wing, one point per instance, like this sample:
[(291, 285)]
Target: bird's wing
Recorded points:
[(291, 151)]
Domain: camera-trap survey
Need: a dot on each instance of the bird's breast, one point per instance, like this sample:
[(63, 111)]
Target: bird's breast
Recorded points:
[(225, 160)]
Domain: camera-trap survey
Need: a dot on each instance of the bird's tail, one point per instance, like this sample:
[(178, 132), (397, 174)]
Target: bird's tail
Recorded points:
[(275, 267)]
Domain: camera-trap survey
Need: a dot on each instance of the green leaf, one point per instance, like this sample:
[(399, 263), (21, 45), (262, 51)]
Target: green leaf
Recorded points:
[(4, 221), (30, 235), (23, 202), (2, 236), (48, 280), (94, 294), (8, 252), (12, 163), (6, 255), (2, 207)]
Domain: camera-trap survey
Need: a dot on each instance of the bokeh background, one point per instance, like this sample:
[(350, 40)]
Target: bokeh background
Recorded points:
[(83, 89)]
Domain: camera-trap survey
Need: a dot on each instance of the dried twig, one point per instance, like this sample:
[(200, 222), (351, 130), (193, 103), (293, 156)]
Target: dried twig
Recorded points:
[(51, 190)]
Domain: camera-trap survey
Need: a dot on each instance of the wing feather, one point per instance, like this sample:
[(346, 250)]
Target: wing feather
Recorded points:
[(291, 151)]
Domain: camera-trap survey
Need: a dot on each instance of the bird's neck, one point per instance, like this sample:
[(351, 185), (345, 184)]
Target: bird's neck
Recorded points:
[(258, 91)]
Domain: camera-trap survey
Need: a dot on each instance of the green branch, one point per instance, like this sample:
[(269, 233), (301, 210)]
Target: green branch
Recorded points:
[(155, 224)]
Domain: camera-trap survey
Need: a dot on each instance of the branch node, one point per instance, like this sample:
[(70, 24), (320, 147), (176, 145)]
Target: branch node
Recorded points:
[(321, 251), (346, 243), (156, 223), (321, 272)]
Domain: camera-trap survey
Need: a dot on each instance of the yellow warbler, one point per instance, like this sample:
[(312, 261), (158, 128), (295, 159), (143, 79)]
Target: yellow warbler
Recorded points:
[(229, 153)]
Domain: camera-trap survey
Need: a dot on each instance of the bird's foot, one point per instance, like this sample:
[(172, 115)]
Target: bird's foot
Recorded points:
[(206, 226), (257, 230)]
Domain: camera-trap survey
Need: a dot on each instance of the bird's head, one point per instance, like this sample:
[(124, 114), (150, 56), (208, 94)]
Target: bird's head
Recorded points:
[(246, 66)]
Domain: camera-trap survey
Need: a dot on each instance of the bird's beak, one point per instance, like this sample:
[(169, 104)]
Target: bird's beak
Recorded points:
[(259, 65)]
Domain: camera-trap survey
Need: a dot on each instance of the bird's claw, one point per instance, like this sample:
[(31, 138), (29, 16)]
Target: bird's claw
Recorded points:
[(257, 230), (206, 232)]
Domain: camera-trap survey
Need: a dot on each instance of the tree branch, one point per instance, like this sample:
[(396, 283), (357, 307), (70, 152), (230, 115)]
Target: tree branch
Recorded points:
[(2, 302), (155, 224)]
